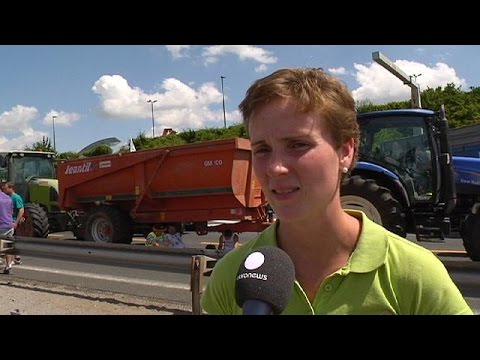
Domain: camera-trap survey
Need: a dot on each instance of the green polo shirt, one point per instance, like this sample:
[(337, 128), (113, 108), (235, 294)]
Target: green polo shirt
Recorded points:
[(386, 274)]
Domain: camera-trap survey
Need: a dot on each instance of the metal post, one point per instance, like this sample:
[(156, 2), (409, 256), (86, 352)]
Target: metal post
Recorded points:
[(201, 267), (198, 265), (153, 119), (53, 122), (382, 60), (223, 98)]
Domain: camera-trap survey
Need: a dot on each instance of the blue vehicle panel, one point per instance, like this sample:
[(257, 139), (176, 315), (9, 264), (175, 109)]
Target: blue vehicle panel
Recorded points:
[(467, 174)]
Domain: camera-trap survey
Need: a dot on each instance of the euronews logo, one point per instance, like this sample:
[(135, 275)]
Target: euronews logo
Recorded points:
[(263, 277)]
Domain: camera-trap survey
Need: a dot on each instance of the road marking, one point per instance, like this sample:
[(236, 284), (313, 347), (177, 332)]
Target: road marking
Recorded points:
[(119, 279), (450, 253)]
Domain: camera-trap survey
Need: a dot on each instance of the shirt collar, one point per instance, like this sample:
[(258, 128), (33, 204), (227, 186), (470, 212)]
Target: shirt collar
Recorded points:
[(369, 254), (372, 245)]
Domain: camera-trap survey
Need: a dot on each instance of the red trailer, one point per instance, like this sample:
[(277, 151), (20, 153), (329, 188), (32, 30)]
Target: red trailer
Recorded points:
[(119, 194)]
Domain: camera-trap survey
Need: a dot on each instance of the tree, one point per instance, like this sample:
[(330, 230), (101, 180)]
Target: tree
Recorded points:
[(462, 107), (69, 155), (43, 145)]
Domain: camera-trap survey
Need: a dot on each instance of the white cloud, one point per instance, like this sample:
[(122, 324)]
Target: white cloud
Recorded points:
[(27, 137), (178, 105), (244, 52), (178, 51), (18, 118), (62, 118), (261, 68), (379, 86), (338, 71), (118, 99), (18, 121)]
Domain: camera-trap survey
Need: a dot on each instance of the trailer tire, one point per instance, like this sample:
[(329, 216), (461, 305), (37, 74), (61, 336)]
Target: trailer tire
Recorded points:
[(36, 222), (470, 232), (377, 202), (107, 224)]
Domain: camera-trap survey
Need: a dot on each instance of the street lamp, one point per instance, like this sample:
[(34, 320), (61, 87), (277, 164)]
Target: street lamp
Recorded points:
[(153, 119), (223, 98), (53, 123)]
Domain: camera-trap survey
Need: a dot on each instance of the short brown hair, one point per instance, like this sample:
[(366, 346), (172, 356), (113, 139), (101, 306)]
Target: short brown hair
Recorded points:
[(313, 90), (10, 185)]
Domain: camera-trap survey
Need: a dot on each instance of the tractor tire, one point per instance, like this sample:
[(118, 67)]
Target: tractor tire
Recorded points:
[(36, 222), (470, 232), (107, 224), (377, 202)]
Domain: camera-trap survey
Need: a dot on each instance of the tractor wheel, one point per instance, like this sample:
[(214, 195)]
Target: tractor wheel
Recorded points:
[(470, 232), (377, 202), (36, 222), (107, 224)]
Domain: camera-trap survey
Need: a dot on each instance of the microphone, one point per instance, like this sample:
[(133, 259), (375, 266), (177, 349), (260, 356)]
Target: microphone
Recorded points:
[(264, 281)]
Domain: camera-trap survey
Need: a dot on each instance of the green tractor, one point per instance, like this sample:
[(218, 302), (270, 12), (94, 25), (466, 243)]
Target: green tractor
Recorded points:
[(34, 176)]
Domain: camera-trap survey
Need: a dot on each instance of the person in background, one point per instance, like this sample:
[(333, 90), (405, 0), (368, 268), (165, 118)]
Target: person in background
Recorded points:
[(270, 213), (18, 210), (6, 224), (304, 138), (227, 241), (173, 238), (155, 237)]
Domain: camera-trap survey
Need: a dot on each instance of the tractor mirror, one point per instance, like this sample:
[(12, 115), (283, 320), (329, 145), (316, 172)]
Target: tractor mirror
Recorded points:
[(3, 161)]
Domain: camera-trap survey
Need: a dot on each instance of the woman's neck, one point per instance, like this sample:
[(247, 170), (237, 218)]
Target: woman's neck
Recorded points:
[(319, 248)]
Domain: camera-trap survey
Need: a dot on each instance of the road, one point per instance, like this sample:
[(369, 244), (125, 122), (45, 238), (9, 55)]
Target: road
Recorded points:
[(167, 292)]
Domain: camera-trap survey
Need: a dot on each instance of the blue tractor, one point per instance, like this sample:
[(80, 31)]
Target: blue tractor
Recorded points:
[(407, 180)]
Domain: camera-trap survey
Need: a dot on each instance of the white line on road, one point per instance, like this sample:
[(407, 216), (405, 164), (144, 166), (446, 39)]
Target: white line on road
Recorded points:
[(119, 279)]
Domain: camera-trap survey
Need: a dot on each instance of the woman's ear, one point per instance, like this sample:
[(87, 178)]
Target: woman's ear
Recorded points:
[(347, 153)]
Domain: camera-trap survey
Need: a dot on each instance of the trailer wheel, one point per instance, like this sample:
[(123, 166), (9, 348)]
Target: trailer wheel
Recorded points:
[(107, 224), (377, 202), (470, 232), (36, 222)]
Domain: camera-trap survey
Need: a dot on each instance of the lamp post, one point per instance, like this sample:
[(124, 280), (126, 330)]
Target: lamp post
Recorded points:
[(153, 119), (223, 99), (53, 124)]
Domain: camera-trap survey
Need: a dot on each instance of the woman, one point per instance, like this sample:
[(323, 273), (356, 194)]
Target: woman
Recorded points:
[(304, 136), (6, 224)]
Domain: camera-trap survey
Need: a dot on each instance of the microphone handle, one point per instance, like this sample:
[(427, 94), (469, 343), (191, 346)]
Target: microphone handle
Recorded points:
[(256, 307)]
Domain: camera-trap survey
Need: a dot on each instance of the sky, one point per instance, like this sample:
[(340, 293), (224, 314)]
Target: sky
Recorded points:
[(91, 92)]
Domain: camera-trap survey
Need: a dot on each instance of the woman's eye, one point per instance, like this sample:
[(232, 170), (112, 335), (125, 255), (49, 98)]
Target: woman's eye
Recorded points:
[(260, 151), (299, 145)]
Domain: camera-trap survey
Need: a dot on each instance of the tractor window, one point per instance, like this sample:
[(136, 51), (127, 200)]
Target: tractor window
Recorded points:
[(26, 167), (3, 174), (45, 169), (401, 146)]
